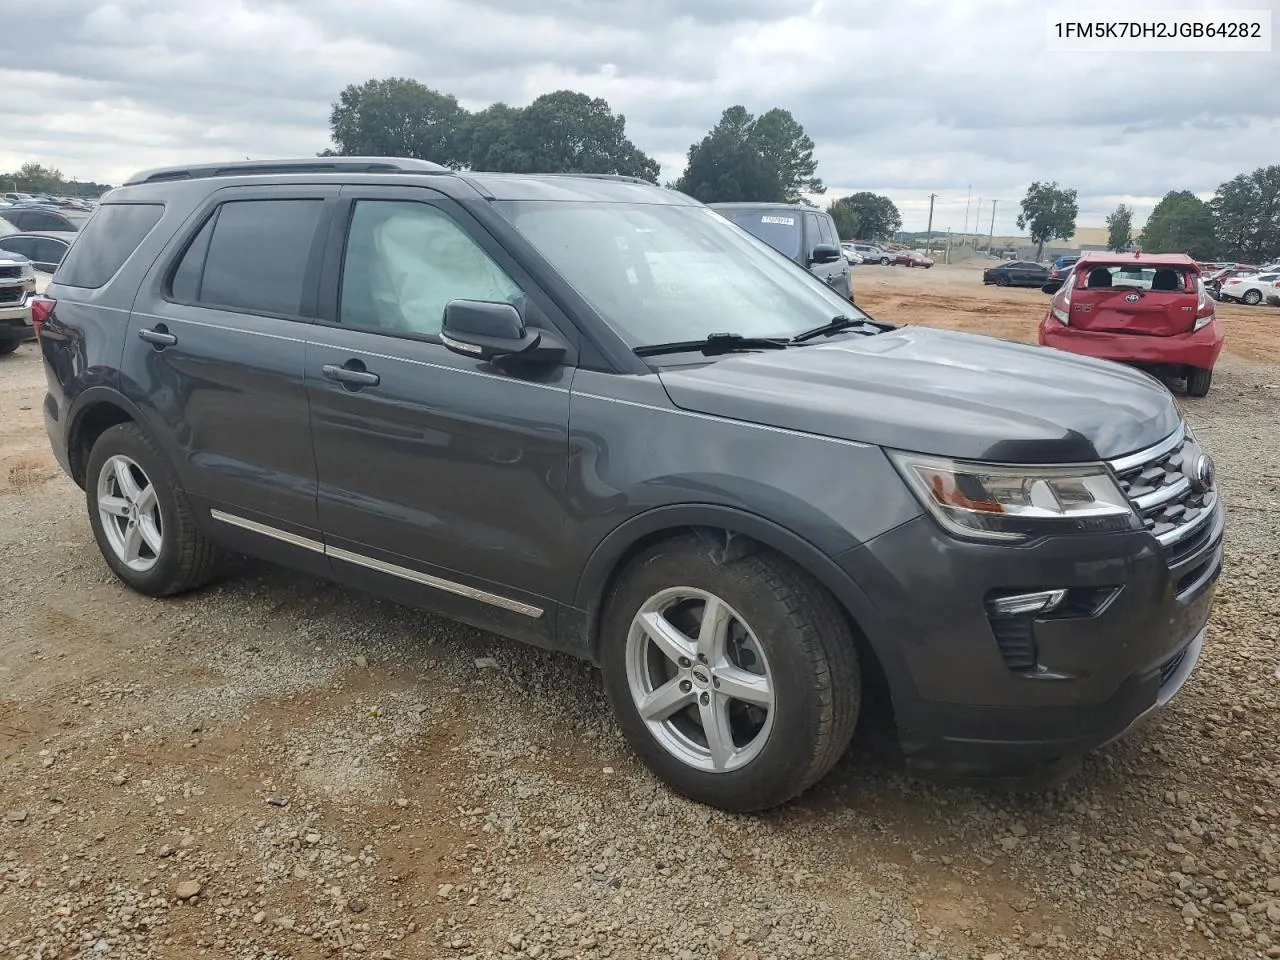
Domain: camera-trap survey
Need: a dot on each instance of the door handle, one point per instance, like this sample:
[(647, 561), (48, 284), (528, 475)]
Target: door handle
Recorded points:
[(159, 337), (351, 375)]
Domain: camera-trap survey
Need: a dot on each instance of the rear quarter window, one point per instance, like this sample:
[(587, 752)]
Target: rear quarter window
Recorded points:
[(106, 242)]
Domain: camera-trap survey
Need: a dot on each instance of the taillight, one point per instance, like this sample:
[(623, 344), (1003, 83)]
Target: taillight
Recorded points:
[(41, 308), (1062, 311), (1204, 306)]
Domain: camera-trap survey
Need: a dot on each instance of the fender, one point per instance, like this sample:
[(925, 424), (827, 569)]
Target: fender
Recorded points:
[(95, 395), (604, 561)]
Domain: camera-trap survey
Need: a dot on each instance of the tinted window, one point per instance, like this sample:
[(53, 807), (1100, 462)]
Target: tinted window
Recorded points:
[(827, 231), (257, 255), (107, 241), (779, 230), (42, 220), (48, 250), (22, 245), (185, 284), (405, 261)]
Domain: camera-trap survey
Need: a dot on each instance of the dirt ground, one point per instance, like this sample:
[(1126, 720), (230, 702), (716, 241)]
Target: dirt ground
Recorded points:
[(275, 767)]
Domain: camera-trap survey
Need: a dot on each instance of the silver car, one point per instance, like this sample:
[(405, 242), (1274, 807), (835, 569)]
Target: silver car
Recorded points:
[(870, 253)]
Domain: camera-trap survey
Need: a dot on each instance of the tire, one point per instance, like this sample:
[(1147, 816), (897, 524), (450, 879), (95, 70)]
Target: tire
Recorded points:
[(1252, 297), (1002, 281), (142, 519), (884, 261), (1198, 381), (781, 624), (9, 346)]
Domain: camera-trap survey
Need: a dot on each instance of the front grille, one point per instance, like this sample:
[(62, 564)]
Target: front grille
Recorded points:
[(11, 294), (1163, 494), (10, 273)]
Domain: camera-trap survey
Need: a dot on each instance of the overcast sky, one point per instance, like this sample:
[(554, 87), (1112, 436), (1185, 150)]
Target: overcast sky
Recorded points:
[(902, 97)]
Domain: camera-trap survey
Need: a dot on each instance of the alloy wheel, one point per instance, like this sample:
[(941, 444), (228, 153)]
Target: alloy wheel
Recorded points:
[(130, 513), (699, 679)]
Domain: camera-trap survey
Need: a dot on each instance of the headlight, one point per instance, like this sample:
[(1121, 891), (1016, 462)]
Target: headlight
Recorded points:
[(987, 502)]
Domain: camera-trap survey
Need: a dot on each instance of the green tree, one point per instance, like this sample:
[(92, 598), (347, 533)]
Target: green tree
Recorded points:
[(1246, 213), (764, 159), (492, 140), (398, 117), (1048, 212), (33, 177), (560, 132), (865, 216), (1180, 223), (1120, 229)]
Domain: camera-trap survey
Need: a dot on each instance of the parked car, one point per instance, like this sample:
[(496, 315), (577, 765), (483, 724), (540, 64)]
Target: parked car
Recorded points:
[(17, 284), (1213, 282), (15, 197), (468, 392), (43, 219), (1060, 266), (44, 250), (851, 253), (1251, 288), (1016, 273), (871, 253), (804, 235), (1152, 311), (912, 258)]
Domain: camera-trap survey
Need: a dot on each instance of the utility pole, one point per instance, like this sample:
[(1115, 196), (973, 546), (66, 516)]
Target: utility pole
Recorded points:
[(929, 230), (967, 197), (992, 232)]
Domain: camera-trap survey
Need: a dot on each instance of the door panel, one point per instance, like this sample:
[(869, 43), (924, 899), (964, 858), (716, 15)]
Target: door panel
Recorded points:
[(433, 463), (224, 382)]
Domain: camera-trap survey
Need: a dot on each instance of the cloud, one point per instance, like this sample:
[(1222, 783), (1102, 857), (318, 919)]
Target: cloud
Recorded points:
[(957, 98)]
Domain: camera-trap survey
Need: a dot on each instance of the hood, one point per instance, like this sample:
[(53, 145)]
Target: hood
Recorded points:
[(938, 392)]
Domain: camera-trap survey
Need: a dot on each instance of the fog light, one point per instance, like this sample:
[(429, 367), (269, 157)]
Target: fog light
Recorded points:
[(1023, 604)]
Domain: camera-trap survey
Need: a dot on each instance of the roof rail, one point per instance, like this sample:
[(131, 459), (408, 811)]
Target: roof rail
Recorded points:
[(306, 165), (602, 176)]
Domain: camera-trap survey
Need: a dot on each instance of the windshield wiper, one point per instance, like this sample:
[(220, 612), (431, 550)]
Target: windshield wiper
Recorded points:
[(836, 324), (712, 344)]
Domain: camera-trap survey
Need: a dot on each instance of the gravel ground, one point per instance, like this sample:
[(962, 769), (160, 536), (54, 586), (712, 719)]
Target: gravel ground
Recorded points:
[(278, 767)]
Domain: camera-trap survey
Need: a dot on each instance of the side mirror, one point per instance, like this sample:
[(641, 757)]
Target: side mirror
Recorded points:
[(495, 332), (1053, 286), (825, 253)]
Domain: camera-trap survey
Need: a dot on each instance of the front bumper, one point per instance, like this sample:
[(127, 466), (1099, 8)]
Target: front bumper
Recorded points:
[(1200, 348), (963, 711), (15, 315)]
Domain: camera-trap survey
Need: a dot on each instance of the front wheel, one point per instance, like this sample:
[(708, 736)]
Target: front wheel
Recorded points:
[(737, 683), (1252, 297), (8, 346), (1198, 381), (884, 261)]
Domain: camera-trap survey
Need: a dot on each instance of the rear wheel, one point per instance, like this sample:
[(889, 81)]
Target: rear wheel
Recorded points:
[(8, 346), (1198, 381), (1252, 297), (141, 518), (884, 261), (737, 683)]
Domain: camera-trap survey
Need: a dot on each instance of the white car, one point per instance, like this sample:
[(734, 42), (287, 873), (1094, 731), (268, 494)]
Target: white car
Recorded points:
[(1252, 289), (850, 253)]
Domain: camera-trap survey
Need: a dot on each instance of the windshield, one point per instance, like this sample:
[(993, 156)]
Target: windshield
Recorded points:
[(659, 273)]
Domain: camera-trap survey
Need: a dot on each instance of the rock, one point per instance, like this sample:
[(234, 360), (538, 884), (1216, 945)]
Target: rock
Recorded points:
[(187, 889), (1190, 912), (1018, 830), (1035, 940), (402, 802), (444, 891), (362, 661), (259, 916), (1273, 885), (16, 816), (278, 801), (485, 663), (993, 956), (1273, 913), (1077, 870), (166, 850), (356, 906), (312, 838)]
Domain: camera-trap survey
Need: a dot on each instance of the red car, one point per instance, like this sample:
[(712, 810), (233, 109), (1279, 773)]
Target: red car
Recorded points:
[(1150, 310), (909, 258)]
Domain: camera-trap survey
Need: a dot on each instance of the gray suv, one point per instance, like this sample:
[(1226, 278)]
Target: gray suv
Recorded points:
[(589, 413), (804, 235)]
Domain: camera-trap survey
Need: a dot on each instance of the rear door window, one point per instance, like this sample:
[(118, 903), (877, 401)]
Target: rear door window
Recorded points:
[(106, 242), (251, 255), (25, 246), (780, 230), (827, 231)]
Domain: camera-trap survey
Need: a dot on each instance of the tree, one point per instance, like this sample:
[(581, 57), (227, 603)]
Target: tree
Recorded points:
[(33, 177), (1120, 229), (1048, 212), (763, 159), (398, 117), (865, 216), (560, 132), (1180, 223), (1246, 213)]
